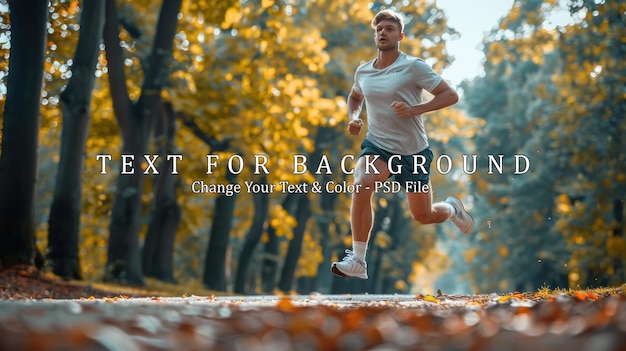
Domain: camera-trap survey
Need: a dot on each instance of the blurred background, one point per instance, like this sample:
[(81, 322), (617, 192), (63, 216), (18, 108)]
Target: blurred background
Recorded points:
[(542, 79)]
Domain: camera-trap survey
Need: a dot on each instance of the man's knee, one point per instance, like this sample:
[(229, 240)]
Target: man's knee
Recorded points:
[(364, 184)]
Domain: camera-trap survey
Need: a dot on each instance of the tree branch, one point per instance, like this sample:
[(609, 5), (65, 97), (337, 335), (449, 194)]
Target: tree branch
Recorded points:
[(117, 80), (212, 142)]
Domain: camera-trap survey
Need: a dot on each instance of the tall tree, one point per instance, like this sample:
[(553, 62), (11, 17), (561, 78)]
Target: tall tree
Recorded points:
[(20, 132), (216, 260), (283, 223), (158, 248), (123, 255), (64, 220), (302, 214), (252, 238)]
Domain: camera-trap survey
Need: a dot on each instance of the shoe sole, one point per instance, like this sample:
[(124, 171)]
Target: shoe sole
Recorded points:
[(339, 273), (459, 202)]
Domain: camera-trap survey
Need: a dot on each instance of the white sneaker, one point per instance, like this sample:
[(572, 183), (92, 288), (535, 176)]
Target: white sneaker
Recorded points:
[(462, 219), (350, 267)]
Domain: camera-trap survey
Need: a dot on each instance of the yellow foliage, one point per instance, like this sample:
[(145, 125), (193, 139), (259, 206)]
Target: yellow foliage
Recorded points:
[(452, 122), (504, 251), (347, 240), (616, 246), (563, 204), (282, 222), (310, 257), (233, 16), (401, 285), (514, 14), (383, 240)]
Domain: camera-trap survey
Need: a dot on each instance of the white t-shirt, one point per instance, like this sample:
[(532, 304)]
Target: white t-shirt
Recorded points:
[(401, 81)]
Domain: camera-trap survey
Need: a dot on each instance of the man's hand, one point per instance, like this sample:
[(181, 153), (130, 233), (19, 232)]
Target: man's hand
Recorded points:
[(403, 109), (354, 128)]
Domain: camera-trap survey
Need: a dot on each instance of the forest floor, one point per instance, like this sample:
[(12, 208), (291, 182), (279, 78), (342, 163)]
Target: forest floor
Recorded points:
[(38, 312)]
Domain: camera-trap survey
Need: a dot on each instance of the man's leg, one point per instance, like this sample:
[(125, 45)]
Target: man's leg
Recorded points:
[(361, 219), (425, 212)]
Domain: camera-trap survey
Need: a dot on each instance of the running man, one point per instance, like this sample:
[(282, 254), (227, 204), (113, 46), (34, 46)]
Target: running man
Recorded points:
[(391, 86)]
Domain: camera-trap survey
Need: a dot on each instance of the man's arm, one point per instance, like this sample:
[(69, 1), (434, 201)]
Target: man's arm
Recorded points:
[(444, 96), (355, 104)]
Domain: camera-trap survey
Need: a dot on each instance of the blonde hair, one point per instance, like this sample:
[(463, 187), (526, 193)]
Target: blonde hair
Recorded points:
[(388, 15)]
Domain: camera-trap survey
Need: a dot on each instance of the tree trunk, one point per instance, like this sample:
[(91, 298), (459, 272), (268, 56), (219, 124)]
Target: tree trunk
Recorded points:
[(123, 254), (322, 281), (20, 132), (158, 249), (271, 254), (325, 141), (303, 212), (215, 262), (123, 249), (258, 226), (618, 231), (269, 265), (64, 220)]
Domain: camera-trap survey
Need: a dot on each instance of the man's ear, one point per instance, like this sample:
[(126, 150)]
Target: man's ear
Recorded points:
[(401, 36)]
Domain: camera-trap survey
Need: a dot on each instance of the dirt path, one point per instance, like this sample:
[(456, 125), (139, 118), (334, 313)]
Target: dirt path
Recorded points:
[(317, 322)]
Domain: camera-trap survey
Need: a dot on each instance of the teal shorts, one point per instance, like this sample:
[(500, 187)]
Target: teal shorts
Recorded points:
[(408, 171)]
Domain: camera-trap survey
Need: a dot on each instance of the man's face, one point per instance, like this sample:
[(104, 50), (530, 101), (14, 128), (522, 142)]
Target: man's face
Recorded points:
[(387, 34)]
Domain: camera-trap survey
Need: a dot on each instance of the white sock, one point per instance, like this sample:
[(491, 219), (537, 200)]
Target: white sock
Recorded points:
[(359, 248), (451, 208)]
